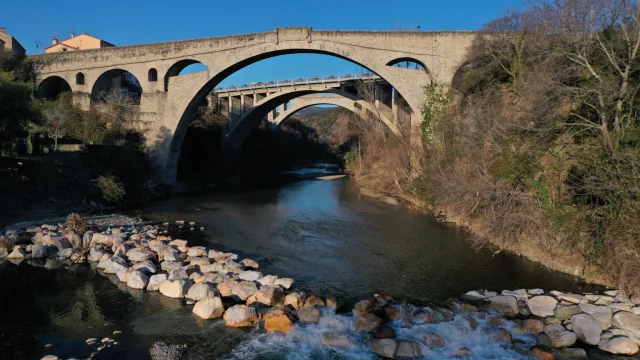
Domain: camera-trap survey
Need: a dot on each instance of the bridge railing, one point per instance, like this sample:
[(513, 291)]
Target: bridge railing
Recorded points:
[(301, 81)]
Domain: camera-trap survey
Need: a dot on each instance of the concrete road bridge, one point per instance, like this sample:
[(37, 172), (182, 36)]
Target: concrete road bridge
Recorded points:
[(168, 101), (367, 95)]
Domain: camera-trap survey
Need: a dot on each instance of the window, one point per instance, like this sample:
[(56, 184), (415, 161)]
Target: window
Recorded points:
[(80, 78), (153, 75)]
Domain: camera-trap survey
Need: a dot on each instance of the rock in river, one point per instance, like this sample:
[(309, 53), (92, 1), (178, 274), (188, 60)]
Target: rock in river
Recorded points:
[(175, 288), (155, 281), (586, 328), (278, 320), (240, 316), (201, 291), (542, 306), (137, 280), (209, 308), (559, 336), (619, 345)]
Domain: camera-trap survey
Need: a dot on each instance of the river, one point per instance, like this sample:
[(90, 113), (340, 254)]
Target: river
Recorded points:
[(322, 233)]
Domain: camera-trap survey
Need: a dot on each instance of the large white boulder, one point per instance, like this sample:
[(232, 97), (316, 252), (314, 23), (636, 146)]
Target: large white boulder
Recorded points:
[(242, 290), (137, 280), (209, 308), (147, 267), (95, 254), (116, 264), (542, 306), (586, 328), (196, 251), (201, 291), (286, 283), (139, 255), (175, 288), (250, 275), (155, 281), (240, 316)]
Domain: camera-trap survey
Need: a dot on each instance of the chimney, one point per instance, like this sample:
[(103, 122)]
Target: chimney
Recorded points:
[(2, 30), (73, 35), (54, 41)]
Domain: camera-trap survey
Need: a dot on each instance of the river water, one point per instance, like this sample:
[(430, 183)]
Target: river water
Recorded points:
[(322, 233)]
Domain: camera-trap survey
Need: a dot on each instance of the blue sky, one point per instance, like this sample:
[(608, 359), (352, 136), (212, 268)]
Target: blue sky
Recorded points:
[(142, 21)]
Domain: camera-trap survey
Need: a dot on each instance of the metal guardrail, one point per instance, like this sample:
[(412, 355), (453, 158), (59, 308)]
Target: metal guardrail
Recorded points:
[(313, 80)]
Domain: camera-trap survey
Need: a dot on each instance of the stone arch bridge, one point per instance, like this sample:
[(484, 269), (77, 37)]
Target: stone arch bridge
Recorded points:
[(168, 101)]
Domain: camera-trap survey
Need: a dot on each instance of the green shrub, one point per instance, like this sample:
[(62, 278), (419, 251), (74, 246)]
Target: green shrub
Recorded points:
[(112, 190)]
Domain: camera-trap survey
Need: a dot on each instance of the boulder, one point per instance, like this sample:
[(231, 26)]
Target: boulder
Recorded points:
[(58, 241), (312, 301), (270, 295), (250, 275), (170, 265), (196, 251), (171, 256), (408, 349), (215, 278), (240, 316), (242, 290), (286, 283), (3, 252), (586, 328), (364, 306), (267, 280), (432, 341), (65, 253), (309, 315), (616, 306), (155, 281), (383, 332), (278, 320), (542, 306), (565, 312), (536, 291), (542, 353), (115, 264), (147, 267), (506, 305), (473, 296), (520, 294), (123, 274), (175, 288), (226, 287), (104, 261), (618, 345), (209, 308), (602, 314), (368, 322), (528, 326), (38, 251), (559, 336), (627, 321), (248, 263), (139, 255), (137, 280), (201, 291), (295, 300), (177, 274), (572, 298), (18, 253), (95, 254), (385, 348)]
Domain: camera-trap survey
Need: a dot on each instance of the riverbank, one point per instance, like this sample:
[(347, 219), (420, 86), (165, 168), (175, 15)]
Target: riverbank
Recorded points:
[(569, 262), (216, 286)]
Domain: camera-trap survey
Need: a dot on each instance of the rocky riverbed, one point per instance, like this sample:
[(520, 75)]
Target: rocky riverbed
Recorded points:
[(221, 287)]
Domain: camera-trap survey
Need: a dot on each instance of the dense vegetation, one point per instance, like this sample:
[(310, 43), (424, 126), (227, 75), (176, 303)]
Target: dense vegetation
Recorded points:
[(538, 148), (112, 170)]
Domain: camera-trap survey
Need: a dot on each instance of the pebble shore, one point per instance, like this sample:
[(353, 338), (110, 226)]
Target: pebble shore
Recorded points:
[(529, 322)]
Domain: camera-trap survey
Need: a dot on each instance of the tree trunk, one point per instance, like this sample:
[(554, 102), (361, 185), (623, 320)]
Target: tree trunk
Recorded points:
[(55, 143)]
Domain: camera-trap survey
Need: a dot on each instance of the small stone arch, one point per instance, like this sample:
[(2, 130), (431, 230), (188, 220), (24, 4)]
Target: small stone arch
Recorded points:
[(113, 78), (408, 63), (51, 87), (177, 68), (80, 78), (152, 75)]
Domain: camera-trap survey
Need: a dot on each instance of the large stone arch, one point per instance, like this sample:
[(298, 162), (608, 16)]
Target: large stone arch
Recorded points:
[(187, 92), (51, 87), (176, 68), (359, 107)]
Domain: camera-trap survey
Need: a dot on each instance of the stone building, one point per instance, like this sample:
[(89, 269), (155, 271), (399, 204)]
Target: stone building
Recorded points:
[(80, 42), (9, 44)]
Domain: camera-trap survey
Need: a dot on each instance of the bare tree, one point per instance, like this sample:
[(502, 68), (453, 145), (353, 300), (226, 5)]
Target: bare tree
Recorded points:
[(600, 39), (121, 109)]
